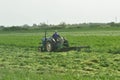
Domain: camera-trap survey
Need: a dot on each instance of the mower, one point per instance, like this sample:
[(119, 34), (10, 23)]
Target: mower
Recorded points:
[(49, 44)]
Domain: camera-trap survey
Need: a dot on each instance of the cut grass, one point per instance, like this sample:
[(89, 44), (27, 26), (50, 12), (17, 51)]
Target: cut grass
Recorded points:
[(20, 59)]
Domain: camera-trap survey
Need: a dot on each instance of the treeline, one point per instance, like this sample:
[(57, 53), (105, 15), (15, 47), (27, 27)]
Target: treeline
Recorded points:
[(59, 26)]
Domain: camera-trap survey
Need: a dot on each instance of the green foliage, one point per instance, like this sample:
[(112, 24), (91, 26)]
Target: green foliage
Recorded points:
[(20, 59), (14, 28), (62, 25)]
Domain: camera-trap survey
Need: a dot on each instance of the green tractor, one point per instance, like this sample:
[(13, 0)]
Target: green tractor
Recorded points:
[(50, 44)]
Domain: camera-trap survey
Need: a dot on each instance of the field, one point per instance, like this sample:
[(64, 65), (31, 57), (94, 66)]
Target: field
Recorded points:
[(21, 60)]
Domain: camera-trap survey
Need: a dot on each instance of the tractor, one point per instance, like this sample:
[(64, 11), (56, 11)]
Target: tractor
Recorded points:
[(49, 44)]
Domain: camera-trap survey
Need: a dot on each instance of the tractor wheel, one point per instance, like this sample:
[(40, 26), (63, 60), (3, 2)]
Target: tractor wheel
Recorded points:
[(40, 48), (49, 47)]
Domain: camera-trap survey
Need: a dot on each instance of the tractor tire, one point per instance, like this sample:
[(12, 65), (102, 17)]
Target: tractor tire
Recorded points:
[(49, 47), (40, 49)]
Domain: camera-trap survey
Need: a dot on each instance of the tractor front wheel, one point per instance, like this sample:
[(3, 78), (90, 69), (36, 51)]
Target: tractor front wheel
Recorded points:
[(48, 47)]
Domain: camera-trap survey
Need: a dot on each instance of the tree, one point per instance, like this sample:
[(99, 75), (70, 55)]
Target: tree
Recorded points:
[(25, 26), (43, 25), (1, 27), (62, 24), (34, 25)]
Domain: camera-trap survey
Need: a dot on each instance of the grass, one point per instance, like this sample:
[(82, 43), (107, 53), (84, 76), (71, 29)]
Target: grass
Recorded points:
[(29, 65), (20, 59)]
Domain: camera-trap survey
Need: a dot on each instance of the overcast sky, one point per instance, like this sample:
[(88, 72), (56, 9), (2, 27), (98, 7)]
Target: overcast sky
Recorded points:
[(19, 12)]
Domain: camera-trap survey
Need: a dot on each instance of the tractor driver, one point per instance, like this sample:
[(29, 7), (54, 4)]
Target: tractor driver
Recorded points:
[(56, 36)]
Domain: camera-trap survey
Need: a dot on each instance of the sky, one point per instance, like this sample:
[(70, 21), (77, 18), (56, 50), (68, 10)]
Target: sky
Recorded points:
[(20, 12)]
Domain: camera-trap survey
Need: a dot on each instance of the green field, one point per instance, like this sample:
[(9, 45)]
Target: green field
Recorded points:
[(21, 60)]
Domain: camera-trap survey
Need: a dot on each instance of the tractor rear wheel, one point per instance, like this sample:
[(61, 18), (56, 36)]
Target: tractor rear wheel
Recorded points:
[(49, 47)]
